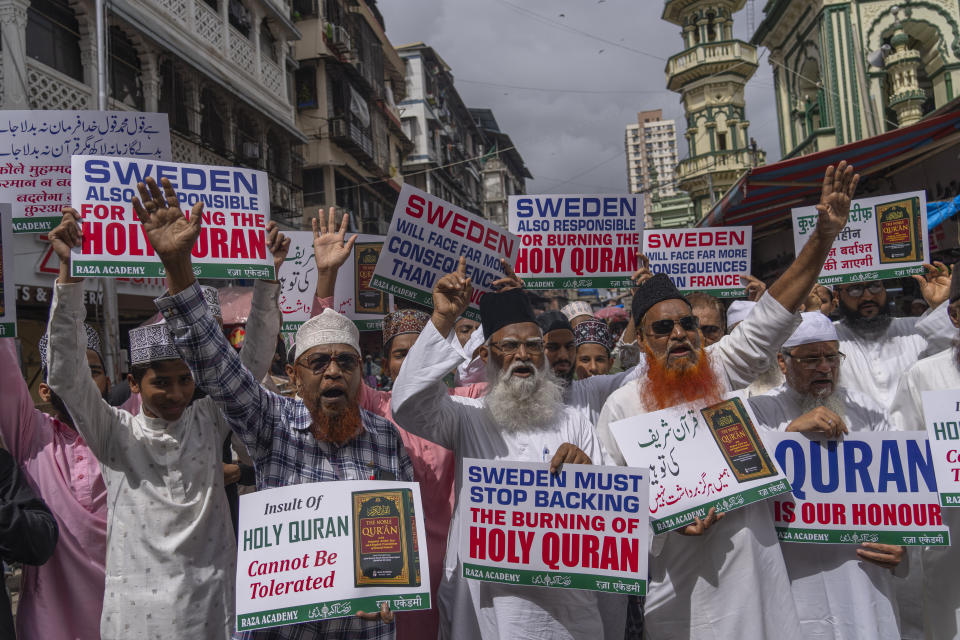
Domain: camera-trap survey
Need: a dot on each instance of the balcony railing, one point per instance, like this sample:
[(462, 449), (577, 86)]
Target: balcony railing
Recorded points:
[(350, 136), (708, 58), (734, 160), (50, 89)]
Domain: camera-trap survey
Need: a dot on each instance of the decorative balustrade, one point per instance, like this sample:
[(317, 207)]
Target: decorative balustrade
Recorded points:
[(50, 89)]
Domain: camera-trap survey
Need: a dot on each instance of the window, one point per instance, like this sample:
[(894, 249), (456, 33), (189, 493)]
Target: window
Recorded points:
[(306, 81), (53, 36), (211, 122), (247, 141), (125, 83), (239, 16), (173, 99), (313, 195), (722, 141), (304, 9)]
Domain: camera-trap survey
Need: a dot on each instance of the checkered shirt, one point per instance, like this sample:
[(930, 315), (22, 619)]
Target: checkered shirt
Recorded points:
[(276, 431)]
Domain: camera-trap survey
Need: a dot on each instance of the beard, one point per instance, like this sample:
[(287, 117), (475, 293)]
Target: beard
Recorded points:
[(523, 404), (665, 387), (860, 324), (337, 429), (831, 401)]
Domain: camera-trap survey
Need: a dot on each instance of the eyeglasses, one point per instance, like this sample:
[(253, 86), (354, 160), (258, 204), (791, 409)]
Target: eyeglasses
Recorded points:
[(510, 347), (665, 327), (812, 362), (711, 331), (346, 362), (856, 290)]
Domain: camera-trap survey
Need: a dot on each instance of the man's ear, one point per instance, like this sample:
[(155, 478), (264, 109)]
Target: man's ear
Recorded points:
[(954, 311), (483, 352), (782, 362), (134, 387), (45, 392)]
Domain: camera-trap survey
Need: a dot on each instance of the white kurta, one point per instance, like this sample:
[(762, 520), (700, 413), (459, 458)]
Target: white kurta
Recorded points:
[(838, 596), (937, 579), (730, 582), (591, 393), (171, 550), (874, 363), (470, 609)]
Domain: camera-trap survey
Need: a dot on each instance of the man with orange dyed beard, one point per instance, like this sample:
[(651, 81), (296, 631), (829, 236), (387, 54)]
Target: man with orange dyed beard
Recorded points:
[(698, 586)]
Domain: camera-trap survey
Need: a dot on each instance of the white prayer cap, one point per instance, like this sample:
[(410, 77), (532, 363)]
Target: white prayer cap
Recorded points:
[(738, 312), (577, 308), (152, 343), (329, 327), (814, 327)]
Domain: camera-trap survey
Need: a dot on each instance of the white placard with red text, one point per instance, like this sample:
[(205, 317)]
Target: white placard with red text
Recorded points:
[(296, 552), (699, 457), (361, 303), (941, 415), (867, 487), (885, 237), (711, 260), (576, 241), (584, 527), (35, 150), (427, 237), (232, 242)]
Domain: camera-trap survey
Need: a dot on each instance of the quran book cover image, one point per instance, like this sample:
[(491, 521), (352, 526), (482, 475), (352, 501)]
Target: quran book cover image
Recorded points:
[(898, 231), (737, 438), (368, 300), (384, 552)]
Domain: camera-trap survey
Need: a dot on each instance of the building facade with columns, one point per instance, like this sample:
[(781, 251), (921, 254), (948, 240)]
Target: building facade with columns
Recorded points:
[(347, 88), (220, 69), (848, 70), (710, 74)]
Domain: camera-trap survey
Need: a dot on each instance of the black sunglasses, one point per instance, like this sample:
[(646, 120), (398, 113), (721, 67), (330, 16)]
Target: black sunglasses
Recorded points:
[(346, 362), (665, 327)]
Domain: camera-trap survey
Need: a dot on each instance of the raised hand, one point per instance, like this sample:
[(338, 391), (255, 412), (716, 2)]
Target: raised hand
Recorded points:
[(329, 249), (278, 244), (64, 237), (934, 284), (839, 185), (753, 287), (643, 273), (451, 296), (509, 281), (171, 235)]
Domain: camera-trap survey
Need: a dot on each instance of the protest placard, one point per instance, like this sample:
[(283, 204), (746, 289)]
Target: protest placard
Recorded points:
[(699, 458), (35, 150), (353, 296), (584, 527), (576, 241), (885, 237), (867, 487), (426, 239), (323, 550), (941, 413), (706, 259), (232, 242), (8, 289)]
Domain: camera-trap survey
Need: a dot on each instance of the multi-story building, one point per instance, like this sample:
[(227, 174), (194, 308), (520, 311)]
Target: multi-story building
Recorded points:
[(504, 173), (348, 84), (848, 70), (219, 68), (710, 75), (448, 145), (651, 146)]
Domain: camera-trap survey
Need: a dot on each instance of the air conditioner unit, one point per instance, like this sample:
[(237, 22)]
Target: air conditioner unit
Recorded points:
[(250, 150)]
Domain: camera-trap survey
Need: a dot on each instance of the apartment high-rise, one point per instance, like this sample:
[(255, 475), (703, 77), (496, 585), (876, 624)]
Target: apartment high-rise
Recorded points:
[(651, 146)]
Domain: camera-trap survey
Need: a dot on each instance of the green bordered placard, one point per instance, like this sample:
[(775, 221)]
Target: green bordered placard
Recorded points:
[(329, 610), (729, 503), (559, 579)]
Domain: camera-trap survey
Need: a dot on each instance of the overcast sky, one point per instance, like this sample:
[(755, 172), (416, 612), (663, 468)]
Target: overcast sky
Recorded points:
[(565, 77)]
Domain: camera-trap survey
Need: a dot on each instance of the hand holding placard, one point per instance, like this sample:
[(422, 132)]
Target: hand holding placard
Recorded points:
[(508, 282), (171, 235), (451, 296), (934, 283), (278, 245), (64, 237)]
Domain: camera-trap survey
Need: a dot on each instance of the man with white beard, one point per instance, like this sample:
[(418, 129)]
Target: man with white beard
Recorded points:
[(936, 577), (521, 418), (731, 583), (841, 592)]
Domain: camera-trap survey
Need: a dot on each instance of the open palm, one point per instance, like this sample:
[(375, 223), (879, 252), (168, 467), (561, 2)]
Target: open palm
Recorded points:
[(839, 185), (170, 233), (329, 249)]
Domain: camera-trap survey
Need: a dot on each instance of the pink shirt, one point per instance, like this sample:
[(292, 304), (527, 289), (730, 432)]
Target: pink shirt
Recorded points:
[(63, 598)]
